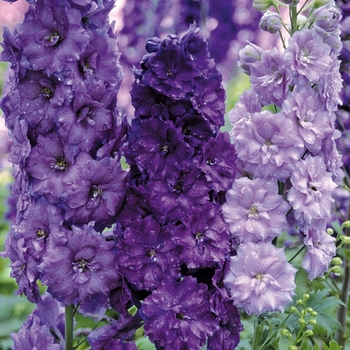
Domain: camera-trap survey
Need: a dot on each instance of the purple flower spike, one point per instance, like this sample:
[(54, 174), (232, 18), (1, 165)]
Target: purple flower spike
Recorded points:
[(260, 279)]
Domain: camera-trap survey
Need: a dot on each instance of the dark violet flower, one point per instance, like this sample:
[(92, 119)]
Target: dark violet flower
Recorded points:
[(95, 191), (83, 266), (34, 335), (205, 238), (48, 163), (41, 98), (320, 250), (218, 162), (156, 144), (254, 210), (311, 191), (209, 99), (89, 120), (146, 254), (170, 73), (179, 193), (227, 336), (58, 37), (177, 314), (260, 279), (307, 55), (119, 335)]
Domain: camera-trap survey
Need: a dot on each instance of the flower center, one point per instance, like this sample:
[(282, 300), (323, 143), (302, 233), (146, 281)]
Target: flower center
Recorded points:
[(169, 73), (41, 233), (54, 38), (46, 92), (180, 316), (96, 192), (253, 210), (61, 164)]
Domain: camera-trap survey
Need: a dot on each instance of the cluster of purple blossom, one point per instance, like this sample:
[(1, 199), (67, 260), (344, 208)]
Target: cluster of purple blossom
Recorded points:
[(66, 133), (171, 241), (283, 130)]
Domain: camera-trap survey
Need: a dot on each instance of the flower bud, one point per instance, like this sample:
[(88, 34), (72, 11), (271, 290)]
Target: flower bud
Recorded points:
[(290, 2), (249, 55), (309, 310), (312, 322), (271, 22), (309, 333), (320, 3), (301, 321), (262, 5), (285, 332), (345, 239), (313, 313), (327, 18), (336, 261), (335, 269), (293, 309), (292, 347), (330, 231)]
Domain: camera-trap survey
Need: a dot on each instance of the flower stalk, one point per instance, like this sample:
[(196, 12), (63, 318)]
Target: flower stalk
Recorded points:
[(69, 317)]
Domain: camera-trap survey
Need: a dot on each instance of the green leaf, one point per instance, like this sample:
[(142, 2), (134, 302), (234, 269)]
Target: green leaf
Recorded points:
[(144, 344), (333, 345), (304, 345)]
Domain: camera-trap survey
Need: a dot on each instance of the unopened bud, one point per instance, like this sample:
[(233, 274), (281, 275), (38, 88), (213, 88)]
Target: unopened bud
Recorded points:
[(320, 3), (301, 321), (271, 22), (330, 231), (335, 269), (309, 310), (262, 5), (312, 322), (337, 261), (249, 55), (309, 333), (293, 309), (313, 313)]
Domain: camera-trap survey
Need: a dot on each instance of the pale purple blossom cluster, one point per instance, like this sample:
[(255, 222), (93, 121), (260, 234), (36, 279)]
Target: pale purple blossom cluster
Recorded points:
[(284, 134)]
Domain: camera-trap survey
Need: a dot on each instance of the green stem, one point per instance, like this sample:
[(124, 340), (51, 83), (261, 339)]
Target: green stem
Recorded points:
[(293, 18), (69, 327)]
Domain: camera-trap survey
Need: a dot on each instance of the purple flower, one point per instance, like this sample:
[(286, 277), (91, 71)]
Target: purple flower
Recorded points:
[(34, 335), (118, 335), (81, 266), (311, 191), (270, 77), (260, 279), (58, 37), (170, 73), (307, 55), (205, 238), (320, 249), (146, 254), (48, 163), (254, 210), (217, 161), (155, 144), (94, 191), (177, 314), (269, 147), (305, 107)]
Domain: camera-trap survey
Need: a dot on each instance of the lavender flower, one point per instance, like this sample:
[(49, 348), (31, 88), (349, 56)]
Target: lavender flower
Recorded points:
[(307, 55), (260, 279), (254, 210), (270, 146), (311, 191), (320, 249)]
